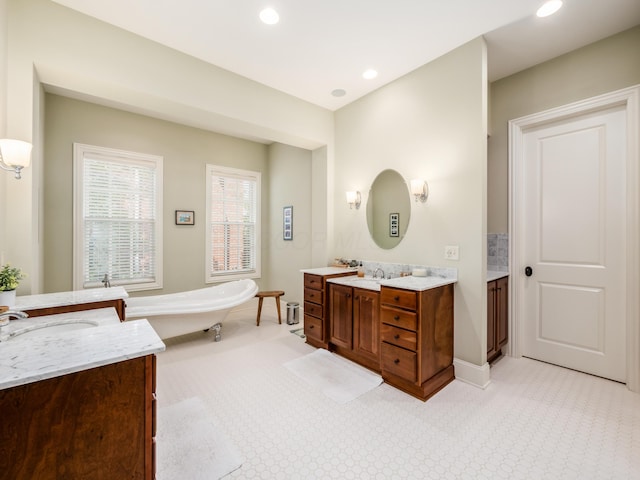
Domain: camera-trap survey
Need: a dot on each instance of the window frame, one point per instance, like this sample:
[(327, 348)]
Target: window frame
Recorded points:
[(223, 171), (80, 152)]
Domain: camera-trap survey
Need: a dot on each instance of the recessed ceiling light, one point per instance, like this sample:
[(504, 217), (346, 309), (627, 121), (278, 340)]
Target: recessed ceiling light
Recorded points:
[(549, 8), (369, 74), (269, 16), (338, 92)]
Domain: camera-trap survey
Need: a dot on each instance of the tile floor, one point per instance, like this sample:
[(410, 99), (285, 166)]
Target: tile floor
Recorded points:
[(535, 421)]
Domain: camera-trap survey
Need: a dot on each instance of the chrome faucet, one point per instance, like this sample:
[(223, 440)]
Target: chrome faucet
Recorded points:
[(375, 273), (6, 316)]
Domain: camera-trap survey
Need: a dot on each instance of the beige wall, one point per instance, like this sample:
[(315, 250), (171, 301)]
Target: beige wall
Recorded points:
[(68, 52), (601, 67), (430, 124), (3, 114), (290, 182), (185, 150)]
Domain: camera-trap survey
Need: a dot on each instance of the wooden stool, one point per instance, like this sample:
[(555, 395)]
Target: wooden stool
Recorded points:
[(272, 293)]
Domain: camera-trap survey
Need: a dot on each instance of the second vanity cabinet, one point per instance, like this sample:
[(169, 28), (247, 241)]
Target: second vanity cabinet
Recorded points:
[(402, 328), (417, 339), (354, 325)]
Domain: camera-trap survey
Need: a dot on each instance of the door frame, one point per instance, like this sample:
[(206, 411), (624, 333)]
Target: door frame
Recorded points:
[(629, 98)]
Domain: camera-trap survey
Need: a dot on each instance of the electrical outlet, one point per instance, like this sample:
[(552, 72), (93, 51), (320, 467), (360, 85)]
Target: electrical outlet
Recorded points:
[(451, 252)]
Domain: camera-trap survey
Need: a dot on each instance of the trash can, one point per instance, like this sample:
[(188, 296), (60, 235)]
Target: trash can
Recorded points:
[(293, 313)]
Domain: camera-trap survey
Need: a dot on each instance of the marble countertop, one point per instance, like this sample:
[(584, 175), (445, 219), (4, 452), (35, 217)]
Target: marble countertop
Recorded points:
[(30, 358), (47, 300), (408, 283), (495, 275), (329, 270)]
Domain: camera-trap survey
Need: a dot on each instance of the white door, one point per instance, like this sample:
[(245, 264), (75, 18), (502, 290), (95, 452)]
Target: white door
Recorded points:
[(574, 242)]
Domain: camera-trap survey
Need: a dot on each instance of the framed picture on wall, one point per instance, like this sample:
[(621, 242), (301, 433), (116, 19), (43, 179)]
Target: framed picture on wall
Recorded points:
[(394, 224), (287, 223), (185, 217)]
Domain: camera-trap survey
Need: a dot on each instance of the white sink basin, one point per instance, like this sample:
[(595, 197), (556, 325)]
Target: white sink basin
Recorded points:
[(49, 328), (362, 282)]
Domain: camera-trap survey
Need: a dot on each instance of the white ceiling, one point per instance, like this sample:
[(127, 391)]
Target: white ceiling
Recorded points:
[(322, 45)]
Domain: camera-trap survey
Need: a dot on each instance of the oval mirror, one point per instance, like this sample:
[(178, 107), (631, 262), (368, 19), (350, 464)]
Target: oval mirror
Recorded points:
[(388, 209)]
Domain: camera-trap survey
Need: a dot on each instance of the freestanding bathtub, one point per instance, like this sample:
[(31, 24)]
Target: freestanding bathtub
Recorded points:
[(180, 313)]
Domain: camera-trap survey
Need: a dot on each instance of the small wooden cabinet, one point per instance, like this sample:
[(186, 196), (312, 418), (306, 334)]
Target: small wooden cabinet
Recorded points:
[(354, 324), (417, 339), (497, 317), (316, 305), (98, 423)]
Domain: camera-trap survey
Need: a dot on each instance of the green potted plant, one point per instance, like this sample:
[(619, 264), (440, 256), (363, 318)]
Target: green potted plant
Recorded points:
[(9, 279)]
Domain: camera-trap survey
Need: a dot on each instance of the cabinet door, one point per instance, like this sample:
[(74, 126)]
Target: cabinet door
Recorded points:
[(366, 324), (341, 316), (502, 314), (491, 320)]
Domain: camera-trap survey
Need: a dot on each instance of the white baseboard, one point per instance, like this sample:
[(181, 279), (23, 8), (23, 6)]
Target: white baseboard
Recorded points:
[(476, 375)]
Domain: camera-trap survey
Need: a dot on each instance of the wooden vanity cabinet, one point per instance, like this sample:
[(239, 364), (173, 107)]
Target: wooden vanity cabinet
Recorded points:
[(354, 324), (417, 339), (118, 304), (316, 307), (98, 423), (341, 316), (497, 317)]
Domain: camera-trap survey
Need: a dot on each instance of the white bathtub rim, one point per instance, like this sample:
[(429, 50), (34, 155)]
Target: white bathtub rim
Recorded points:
[(183, 302)]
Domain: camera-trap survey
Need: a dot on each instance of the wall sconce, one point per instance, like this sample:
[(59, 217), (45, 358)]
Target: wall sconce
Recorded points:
[(14, 155), (354, 198), (419, 189)]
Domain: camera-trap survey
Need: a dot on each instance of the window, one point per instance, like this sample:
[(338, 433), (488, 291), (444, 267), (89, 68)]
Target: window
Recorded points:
[(233, 227), (117, 218)]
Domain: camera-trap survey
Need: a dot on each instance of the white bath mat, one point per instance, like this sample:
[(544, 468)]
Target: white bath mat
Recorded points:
[(190, 446), (338, 378)]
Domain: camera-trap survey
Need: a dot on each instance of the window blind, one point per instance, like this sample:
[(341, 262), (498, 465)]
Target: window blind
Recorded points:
[(232, 223), (119, 220)]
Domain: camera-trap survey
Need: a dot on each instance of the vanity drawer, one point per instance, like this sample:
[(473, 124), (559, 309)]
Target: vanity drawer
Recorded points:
[(399, 318), (314, 296), (399, 361), (398, 336), (314, 309), (398, 298), (313, 281), (313, 328)]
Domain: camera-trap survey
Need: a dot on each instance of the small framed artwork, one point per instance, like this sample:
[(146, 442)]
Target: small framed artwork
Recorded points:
[(185, 217), (394, 224), (287, 223)]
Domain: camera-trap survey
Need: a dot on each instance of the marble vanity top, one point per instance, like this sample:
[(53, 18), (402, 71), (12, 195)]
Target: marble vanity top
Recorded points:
[(47, 300), (408, 283), (495, 275), (30, 358)]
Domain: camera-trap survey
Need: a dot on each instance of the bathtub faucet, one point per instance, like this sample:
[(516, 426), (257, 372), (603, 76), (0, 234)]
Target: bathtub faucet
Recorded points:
[(106, 281)]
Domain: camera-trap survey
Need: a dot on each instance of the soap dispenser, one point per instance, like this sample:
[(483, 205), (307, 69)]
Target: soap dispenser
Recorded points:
[(360, 270)]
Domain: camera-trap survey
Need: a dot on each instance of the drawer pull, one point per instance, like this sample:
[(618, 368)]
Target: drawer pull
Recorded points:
[(310, 327), (396, 361), (396, 317), (311, 295), (396, 298), (396, 336)]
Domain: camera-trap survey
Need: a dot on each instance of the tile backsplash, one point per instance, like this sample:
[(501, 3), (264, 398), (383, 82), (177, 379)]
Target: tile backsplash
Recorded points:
[(498, 252), (394, 270)]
